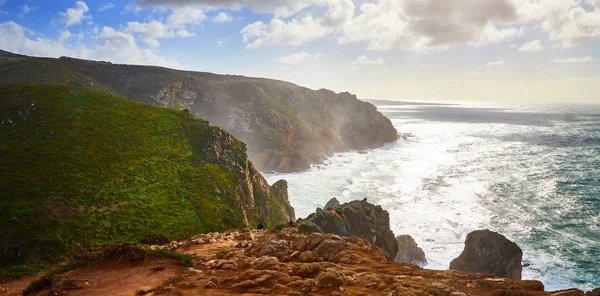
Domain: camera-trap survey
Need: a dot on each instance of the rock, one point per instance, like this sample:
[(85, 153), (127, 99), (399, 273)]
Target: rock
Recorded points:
[(307, 256), (329, 279), (358, 218), (328, 248), (490, 252), (306, 270), (409, 251), (332, 204), (265, 262), (595, 292)]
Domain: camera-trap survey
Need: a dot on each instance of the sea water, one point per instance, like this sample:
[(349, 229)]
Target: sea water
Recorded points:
[(531, 173)]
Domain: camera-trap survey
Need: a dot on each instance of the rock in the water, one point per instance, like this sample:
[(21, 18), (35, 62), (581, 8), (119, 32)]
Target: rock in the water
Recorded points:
[(358, 218), (490, 252), (409, 251), (332, 204)]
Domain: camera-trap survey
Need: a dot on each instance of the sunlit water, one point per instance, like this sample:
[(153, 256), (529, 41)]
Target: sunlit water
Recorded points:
[(530, 173)]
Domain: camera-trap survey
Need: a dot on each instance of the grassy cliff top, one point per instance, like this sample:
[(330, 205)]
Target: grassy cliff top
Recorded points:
[(79, 167)]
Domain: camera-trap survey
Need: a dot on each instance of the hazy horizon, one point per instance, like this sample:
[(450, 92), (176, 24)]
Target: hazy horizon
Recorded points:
[(408, 50)]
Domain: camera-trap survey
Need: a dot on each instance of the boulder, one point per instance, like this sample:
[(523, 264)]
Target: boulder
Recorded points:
[(358, 218), (490, 252), (409, 251), (332, 204)]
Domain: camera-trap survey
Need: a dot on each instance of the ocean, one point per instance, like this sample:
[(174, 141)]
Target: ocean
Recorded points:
[(529, 172)]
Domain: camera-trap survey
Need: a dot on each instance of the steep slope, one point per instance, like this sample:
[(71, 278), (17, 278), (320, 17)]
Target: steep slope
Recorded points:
[(285, 126), (80, 167)]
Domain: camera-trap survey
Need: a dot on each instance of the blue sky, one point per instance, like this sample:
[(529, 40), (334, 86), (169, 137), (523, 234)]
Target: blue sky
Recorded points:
[(509, 50)]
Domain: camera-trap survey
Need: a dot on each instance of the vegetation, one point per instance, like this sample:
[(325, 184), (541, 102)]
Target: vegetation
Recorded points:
[(80, 168)]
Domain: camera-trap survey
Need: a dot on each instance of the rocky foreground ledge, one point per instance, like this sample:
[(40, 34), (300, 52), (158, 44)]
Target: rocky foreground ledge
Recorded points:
[(277, 262)]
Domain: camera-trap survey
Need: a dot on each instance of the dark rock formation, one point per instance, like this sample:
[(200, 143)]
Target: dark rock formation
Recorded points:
[(358, 218), (332, 204), (409, 251), (286, 127), (490, 252)]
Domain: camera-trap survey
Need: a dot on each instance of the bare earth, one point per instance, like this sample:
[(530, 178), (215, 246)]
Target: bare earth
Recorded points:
[(276, 263)]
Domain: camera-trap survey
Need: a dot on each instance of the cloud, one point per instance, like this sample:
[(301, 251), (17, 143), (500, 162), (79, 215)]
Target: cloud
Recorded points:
[(431, 24), (278, 32), (106, 6), (18, 39), (575, 60), (222, 17), (364, 60), (297, 58), (184, 33), (27, 9), (420, 25), (75, 15), (120, 47), (534, 45), (175, 25), (279, 8), (222, 41), (494, 63)]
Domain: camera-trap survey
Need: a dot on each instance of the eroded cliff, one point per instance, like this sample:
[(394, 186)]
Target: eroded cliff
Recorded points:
[(286, 127)]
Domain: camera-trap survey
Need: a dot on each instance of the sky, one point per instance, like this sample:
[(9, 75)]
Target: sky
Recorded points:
[(487, 50)]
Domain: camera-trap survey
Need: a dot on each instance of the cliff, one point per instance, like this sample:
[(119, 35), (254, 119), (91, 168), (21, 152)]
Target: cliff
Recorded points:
[(80, 167), (272, 262), (286, 127)]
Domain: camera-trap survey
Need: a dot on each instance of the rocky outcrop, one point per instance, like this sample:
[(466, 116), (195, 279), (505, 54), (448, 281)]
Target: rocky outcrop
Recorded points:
[(490, 252), (282, 262), (409, 251), (358, 218), (332, 204), (286, 127)]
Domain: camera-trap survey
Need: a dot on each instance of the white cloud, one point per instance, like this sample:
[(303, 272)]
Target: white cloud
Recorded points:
[(279, 8), (278, 32), (184, 33), (120, 47), (18, 39), (494, 63), (27, 9), (222, 41), (534, 45), (222, 17), (421, 25), (299, 30), (364, 60), (75, 15), (297, 58), (185, 16), (574, 60), (106, 6), (175, 25)]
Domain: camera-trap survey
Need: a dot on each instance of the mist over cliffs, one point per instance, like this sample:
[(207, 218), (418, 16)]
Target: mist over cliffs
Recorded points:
[(286, 127)]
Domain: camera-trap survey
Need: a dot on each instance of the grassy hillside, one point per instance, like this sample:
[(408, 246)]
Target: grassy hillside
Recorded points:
[(80, 167), (285, 126)]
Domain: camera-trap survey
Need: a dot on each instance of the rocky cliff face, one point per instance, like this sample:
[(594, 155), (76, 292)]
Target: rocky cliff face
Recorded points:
[(358, 218), (286, 127), (409, 251), (490, 252)]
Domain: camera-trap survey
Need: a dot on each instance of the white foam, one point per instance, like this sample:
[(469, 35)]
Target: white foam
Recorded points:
[(444, 183)]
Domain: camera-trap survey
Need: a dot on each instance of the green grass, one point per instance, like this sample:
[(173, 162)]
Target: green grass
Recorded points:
[(79, 168)]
